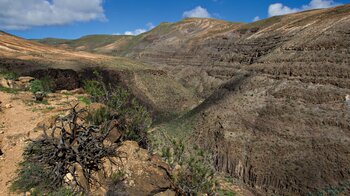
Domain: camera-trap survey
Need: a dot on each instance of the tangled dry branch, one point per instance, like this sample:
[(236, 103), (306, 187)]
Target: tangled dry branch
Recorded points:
[(71, 143)]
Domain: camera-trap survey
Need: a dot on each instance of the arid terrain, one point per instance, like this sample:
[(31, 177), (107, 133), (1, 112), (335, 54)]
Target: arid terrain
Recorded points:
[(266, 99), (19, 118)]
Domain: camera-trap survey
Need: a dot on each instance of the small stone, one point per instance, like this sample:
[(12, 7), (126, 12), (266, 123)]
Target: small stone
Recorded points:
[(77, 91), (64, 92), (8, 106), (131, 183), (68, 178), (39, 96)]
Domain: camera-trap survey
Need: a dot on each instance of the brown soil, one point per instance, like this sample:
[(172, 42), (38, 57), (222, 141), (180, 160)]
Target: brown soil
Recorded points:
[(16, 127)]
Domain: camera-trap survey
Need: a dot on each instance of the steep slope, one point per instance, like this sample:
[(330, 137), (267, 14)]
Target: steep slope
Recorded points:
[(170, 44), (279, 120), (281, 123), (102, 44), (154, 87)]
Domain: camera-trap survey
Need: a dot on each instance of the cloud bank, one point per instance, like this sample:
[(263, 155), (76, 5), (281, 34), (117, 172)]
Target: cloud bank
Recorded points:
[(139, 31), (197, 12), (24, 14), (280, 9)]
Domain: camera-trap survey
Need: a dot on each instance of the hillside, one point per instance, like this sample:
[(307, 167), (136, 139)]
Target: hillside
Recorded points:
[(267, 99), (103, 44), (281, 123), (153, 86)]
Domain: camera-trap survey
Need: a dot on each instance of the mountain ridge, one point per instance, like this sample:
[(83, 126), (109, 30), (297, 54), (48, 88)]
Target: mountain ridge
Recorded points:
[(267, 99)]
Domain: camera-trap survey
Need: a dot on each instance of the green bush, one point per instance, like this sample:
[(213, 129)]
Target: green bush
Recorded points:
[(99, 116), (33, 175), (197, 175), (10, 75), (136, 119), (85, 100), (95, 89), (46, 85), (119, 98), (141, 121), (193, 168), (36, 86), (8, 90)]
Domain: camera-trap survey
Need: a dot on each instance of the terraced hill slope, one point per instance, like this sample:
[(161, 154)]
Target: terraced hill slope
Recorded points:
[(274, 113), (155, 87)]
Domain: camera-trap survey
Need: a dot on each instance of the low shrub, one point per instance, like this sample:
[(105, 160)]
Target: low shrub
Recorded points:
[(193, 171), (8, 90), (10, 75), (95, 89), (136, 120), (72, 143), (46, 85), (99, 116), (197, 175), (84, 100)]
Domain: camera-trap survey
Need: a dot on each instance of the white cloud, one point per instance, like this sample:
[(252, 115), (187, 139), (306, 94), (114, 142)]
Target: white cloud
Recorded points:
[(318, 4), (256, 18), (135, 32), (139, 31), (23, 14), (150, 25), (197, 12), (280, 9)]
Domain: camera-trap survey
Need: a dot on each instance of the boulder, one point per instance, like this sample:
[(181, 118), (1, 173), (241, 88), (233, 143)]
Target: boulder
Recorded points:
[(143, 175), (25, 79), (64, 91), (6, 83), (77, 91), (114, 134)]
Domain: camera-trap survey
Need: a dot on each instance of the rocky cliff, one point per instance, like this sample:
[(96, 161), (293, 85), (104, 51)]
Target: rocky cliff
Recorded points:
[(279, 120), (274, 113)]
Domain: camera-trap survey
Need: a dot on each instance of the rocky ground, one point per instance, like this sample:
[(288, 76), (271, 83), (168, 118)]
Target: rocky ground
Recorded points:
[(19, 117), (22, 119), (270, 98)]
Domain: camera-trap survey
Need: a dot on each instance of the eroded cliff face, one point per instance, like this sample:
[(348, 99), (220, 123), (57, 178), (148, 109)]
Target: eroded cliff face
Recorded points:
[(274, 111), (279, 121), (284, 137), (304, 46)]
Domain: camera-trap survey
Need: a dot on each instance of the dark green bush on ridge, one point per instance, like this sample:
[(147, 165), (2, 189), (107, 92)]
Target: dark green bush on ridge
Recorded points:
[(135, 118)]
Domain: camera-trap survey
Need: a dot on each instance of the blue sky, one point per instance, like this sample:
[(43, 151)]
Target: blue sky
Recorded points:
[(76, 18)]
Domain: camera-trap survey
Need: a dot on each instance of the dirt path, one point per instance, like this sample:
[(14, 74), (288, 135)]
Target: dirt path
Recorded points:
[(16, 127)]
